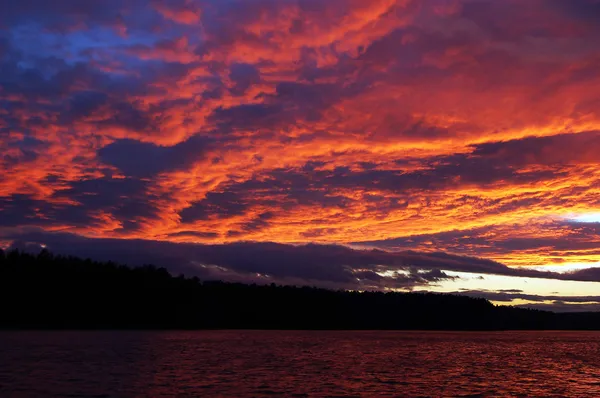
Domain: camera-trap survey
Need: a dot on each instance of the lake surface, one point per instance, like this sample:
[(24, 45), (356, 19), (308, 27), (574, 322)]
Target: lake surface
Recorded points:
[(267, 363)]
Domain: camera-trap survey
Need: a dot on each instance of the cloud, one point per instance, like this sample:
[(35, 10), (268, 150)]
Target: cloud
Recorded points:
[(181, 11), (63, 15), (504, 295), (562, 242), (320, 265), (216, 204), (466, 126), (140, 159), (560, 149), (580, 10), (328, 266), (555, 303)]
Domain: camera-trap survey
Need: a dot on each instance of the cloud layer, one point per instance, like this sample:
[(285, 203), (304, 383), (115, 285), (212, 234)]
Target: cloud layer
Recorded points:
[(332, 266), (465, 126)]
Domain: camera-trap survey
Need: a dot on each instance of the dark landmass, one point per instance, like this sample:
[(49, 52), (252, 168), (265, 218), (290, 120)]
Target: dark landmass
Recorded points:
[(55, 292)]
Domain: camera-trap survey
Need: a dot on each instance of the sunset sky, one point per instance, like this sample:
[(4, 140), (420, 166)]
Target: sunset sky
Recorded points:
[(440, 145)]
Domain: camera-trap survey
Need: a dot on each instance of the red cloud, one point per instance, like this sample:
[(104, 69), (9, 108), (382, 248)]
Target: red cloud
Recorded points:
[(333, 121)]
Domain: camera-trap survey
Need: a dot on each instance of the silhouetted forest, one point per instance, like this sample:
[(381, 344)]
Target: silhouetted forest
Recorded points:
[(56, 292)]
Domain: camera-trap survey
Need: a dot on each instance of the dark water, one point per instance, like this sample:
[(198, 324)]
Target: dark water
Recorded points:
[(256, 363)]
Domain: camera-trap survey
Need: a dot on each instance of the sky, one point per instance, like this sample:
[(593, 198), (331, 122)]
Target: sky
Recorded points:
[(438, 145)]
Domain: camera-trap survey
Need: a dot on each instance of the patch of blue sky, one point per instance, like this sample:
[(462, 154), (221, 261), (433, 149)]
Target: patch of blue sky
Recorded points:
[(35, 42)]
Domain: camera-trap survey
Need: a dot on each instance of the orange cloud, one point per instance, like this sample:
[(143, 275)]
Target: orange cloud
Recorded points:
[(465, 126)]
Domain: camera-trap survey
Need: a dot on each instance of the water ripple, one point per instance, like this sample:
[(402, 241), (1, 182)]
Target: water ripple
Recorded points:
[(271, 363)]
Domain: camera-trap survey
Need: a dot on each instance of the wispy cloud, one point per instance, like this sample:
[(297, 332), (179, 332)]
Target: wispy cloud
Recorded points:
[(466, 126)]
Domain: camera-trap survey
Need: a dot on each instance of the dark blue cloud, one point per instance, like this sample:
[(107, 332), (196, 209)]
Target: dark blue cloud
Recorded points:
[(125, 199), (21, 209), (247, 117), (583, 10), (28, 151), (215, 204), (243, 76), (140, 159), (323, 265)]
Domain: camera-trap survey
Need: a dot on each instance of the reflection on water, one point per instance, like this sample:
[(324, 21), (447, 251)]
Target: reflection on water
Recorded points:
[(258, 363)]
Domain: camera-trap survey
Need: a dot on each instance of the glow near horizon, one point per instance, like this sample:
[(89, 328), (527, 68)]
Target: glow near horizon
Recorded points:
[(533, 286), (586, 218), (562, 268)]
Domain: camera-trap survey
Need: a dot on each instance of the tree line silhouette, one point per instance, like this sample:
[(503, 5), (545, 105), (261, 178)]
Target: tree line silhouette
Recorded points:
[(45, 291)]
